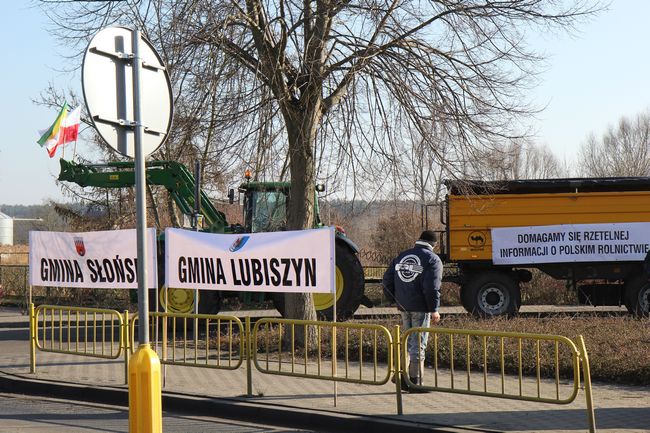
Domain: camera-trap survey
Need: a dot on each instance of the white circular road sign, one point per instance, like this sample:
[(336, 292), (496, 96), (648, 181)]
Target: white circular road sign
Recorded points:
[(107, 81)]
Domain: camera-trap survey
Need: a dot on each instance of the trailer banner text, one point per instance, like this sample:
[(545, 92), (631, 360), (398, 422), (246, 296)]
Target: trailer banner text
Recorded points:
[(98, 260), (570, 243), (288, 261)]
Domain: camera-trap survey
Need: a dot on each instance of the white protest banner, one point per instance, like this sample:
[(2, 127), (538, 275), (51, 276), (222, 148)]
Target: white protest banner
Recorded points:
[(571, 243), (288, 261), (103, 259)]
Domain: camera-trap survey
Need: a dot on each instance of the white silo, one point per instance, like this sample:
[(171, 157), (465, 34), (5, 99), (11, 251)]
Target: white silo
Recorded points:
[(6, 230)]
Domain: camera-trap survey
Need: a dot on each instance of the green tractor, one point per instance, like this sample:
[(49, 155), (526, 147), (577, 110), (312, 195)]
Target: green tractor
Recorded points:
[(265, 209)]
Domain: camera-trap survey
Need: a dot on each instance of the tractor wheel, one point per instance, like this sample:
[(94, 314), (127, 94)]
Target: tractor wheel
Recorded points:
[(182, 301), (637, 295), (491, 294), (350, 285), (176, 300)]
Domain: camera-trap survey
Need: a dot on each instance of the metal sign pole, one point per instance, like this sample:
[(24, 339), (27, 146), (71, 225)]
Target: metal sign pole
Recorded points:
[(334, 359), (197, 212), (110, 99), (140, 197)]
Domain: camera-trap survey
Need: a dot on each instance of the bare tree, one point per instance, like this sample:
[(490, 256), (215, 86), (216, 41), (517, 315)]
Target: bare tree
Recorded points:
[(329, 86), (538, 162), (621, 151), (520, 159)]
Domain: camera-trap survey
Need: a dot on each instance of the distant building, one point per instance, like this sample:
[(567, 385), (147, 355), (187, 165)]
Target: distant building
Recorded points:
[(6, 229)]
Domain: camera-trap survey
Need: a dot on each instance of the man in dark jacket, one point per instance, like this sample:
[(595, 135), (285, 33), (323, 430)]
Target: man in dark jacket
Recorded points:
[(413, 280)]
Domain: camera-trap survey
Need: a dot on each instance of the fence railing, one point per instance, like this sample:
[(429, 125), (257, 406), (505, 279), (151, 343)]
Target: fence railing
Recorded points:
[(373, 274), (16, 258), (91, 332), (14, 272), (530, 367), (343, 352), (195, 340), (14, 282)]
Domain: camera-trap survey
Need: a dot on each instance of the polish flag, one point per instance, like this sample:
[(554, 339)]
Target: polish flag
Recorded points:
[(68, 132), (65, 129)]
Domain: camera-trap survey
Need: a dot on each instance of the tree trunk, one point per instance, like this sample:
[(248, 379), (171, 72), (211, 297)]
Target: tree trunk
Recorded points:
[(301, 129)]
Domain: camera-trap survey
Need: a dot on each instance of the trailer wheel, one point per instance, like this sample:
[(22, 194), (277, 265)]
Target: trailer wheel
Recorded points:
[(350, 286), (491, 294), (637, 296)]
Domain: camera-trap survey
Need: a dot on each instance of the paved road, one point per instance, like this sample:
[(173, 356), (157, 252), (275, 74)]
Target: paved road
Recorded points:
[(25, 414)]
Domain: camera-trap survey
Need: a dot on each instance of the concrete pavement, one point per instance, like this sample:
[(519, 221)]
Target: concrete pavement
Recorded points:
[(307, 402)]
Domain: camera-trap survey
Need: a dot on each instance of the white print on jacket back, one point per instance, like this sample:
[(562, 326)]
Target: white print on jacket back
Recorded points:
[(409, 268)]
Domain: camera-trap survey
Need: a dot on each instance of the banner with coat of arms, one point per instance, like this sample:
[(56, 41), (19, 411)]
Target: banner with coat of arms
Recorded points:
[(289, 261), (102, 259)]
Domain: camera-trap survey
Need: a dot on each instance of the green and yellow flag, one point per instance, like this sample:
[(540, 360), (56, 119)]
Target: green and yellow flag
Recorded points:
[(49, 137)]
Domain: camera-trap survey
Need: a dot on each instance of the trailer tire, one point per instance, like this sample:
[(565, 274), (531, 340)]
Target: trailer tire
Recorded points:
[(350, 286), (465, 300), (491, 294), (637, 295)]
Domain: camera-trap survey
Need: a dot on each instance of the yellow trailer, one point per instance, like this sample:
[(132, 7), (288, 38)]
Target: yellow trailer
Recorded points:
[(593, 233)]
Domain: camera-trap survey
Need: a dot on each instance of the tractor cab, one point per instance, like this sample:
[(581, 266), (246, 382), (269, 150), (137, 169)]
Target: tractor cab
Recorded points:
[(265, 206)]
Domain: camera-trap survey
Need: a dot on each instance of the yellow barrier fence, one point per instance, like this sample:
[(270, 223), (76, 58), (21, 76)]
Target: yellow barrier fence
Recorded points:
[(530, 367), (343, 352), (219, 341), (519, 366), (92, 332)]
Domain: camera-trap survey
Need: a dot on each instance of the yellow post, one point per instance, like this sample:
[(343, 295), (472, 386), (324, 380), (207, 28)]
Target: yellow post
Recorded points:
[(145, 399), (587, 380), (249, 357), (32, 339), (397, 342)]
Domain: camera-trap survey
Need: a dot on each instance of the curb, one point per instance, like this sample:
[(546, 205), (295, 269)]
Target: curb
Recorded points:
[(14, 325), (235, 408)]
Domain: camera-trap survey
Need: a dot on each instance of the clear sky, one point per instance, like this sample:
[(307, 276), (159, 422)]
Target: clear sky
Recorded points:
[(593, 78)]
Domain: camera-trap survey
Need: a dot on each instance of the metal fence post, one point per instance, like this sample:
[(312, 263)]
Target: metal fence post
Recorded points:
[(32, 339), (29, 293), (397, 343), (249, 355), (334, 360), (164, 344), (584, 358), (126, 344)]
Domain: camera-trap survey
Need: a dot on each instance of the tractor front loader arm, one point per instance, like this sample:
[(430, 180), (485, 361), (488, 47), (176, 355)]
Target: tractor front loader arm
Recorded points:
[(174, 176)]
